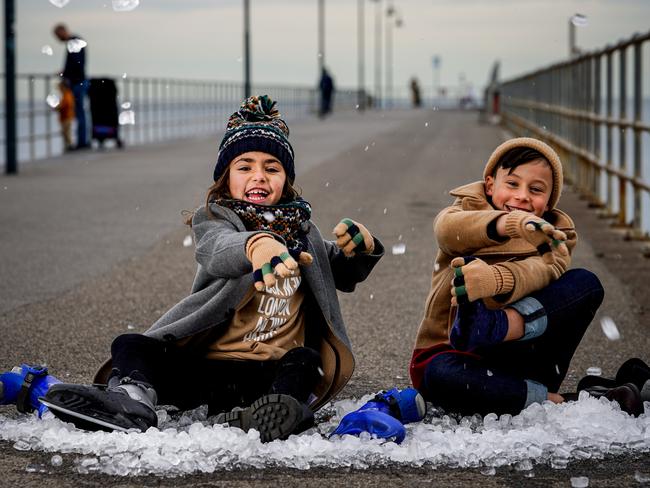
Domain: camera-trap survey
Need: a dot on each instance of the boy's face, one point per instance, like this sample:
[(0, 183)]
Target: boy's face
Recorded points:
[(256, 177), (527, 188)]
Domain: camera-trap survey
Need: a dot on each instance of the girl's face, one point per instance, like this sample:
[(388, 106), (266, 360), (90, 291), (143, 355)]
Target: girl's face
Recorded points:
[(256, 177), (527, 188)]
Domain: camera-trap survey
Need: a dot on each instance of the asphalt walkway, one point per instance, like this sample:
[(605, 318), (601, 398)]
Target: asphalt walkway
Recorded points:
[(92, 246)]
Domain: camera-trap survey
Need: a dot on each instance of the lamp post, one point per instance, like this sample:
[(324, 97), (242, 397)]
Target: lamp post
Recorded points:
[(378, 18), (247, 56), (390, 14), (576, 20), (321, 37), (361, 82)]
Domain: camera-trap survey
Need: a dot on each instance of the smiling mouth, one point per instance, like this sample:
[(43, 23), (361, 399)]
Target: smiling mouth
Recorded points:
[(257, 195), (510, 209)]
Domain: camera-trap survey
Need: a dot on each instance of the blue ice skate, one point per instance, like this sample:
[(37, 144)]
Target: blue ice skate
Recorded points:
[(385, 415), (23, 385)]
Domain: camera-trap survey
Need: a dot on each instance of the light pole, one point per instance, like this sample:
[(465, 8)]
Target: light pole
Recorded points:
[(361, 34), (390, 13), (576, 20), (378, 18), (435, 92), (247, 56), (321, 37)]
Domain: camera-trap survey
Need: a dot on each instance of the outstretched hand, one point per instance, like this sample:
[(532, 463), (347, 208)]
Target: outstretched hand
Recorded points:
[(545, 237), (352, 237), (271, 258)]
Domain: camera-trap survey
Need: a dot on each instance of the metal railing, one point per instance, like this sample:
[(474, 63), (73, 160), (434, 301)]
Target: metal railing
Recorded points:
[(163, 109), (584, 109)]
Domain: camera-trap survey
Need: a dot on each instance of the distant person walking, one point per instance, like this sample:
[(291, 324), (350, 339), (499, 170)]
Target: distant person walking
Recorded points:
[(416, 99), (74, 72), (66, 109), (326, 86)]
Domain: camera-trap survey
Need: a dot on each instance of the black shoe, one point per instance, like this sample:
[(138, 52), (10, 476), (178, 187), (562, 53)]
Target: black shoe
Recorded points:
[(274, 416), (627, 396), (634, 371), (123, 407)]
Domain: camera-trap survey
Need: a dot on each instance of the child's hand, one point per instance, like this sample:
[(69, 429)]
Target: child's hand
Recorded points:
[(269, 258), (474, 279), (353, 237), (544, 236)]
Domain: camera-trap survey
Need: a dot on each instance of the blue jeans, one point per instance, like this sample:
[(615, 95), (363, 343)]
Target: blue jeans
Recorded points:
[(79, 91), (509, 376)]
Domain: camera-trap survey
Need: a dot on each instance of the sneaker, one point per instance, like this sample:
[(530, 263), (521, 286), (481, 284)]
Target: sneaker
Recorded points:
[(126, 406), (274, 416), (476, 325), (627, 396)]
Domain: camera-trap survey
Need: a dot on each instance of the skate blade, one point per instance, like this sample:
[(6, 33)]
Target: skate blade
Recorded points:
[(80, 420)]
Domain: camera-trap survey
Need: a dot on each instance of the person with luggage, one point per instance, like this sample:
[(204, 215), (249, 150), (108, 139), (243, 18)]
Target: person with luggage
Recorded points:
[(260, 339), (74, 72)]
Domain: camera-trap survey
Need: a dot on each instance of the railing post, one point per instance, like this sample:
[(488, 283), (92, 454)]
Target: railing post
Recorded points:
[(11, 163), (622, 139), (609, 147), (31, 117), (638, 117), (596, 125), (48, 120)]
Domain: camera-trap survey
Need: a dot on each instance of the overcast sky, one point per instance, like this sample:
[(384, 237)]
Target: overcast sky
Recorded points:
[(202, 39)]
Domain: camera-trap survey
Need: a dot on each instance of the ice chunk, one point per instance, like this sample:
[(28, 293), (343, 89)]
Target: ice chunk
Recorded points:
[(488, 471), (399, 248), (594, 371), (53, 100), (127, 117), (56, 460), (47, 50), (579, 20), (125, 5), (59, 3), (126, 105), (366, 148), (75, 45), (268, 216), (609, 329), (579, 482), (187, 242)]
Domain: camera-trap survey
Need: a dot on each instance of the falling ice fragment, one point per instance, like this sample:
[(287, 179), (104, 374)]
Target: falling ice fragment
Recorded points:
[(125, 5), (268, 216), (52, 100), (579, 20), (489, 373), (579, 482), (609, 329), (75, 45), (126, 105), (59, 3), (187, 242), (47, 50), (366, 148), (399, 248), (594, 371), (436, 267), (127, 117)]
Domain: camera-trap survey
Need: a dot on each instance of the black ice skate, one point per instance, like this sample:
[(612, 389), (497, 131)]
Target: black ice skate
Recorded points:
[(121, 406)]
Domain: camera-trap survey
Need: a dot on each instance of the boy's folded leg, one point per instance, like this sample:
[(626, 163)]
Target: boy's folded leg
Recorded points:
[(122, 405), (274, 416), (476, 325)]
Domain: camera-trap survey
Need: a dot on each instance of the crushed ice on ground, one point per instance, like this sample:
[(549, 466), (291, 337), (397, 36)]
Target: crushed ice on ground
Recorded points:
[(75, 45), (579, 482), (59, 3), (47, 50), (126, 117), (125, 5), (609, 328), (399, 248), (546, 434), (53, 100), (187, 242)]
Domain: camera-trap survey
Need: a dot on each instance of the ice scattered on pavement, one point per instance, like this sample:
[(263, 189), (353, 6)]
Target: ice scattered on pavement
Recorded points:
[(545, 434), (609, 328), (579, 482), (594, 371), (399, 248)]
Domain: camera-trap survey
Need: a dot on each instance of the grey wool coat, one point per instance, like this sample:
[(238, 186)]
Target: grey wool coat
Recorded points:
[(224, 282)]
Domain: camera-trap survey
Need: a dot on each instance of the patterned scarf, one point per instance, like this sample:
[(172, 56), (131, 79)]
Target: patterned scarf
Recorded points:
[(288, 220)]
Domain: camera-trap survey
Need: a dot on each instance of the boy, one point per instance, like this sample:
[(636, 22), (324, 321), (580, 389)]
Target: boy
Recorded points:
[(504, 316)]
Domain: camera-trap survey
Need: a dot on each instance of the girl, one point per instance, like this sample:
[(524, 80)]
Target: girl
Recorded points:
[(260, 338)]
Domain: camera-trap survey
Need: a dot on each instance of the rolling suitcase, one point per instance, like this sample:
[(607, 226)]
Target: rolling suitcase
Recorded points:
[(103, 108)]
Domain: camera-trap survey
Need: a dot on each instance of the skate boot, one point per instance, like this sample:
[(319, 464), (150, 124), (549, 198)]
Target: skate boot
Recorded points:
[(23, 385), (385, 415), (121, 405), (274, 416)]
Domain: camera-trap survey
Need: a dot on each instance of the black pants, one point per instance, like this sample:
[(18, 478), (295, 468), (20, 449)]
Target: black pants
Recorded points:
[(187, 381), (493, 379)]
